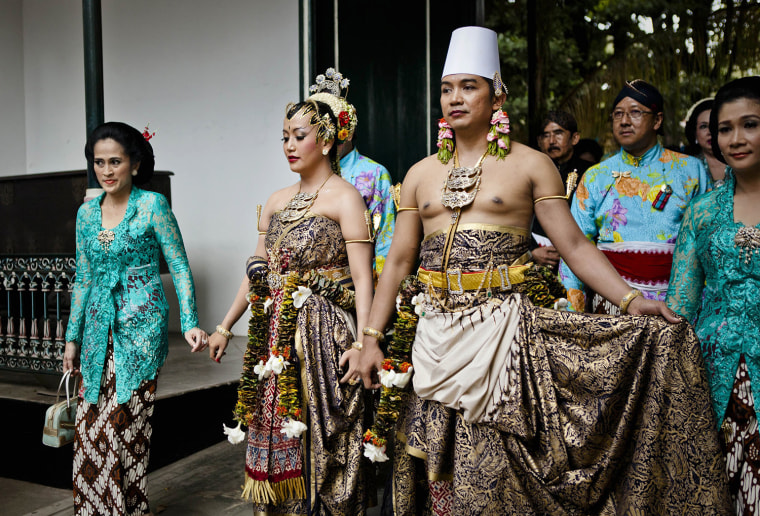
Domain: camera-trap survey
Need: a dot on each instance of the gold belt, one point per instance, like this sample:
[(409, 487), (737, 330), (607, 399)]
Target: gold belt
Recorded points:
[(338, 274), (457, 282)]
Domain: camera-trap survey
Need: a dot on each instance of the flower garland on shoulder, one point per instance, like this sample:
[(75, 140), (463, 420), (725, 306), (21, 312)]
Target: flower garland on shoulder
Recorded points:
[(396, 373), (498, 137), (260, 363)]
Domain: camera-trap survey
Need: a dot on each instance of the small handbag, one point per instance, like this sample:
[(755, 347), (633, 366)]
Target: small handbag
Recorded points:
[(59, 418)]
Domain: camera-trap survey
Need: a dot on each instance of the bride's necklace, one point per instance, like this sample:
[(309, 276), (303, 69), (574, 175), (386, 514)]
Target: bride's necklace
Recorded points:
[(300, 203), (462, 184)]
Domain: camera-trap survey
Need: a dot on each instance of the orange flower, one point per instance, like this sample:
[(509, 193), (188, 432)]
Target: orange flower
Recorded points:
[(631, 187), (577, 299), (582, 195), (343, 134)]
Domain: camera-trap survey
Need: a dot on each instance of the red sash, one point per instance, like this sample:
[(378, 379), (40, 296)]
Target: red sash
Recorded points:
[(641, 267)]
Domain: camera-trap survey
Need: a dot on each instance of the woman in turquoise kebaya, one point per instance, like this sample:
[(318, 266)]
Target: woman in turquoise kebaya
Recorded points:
[(117, 333), (715, 283)]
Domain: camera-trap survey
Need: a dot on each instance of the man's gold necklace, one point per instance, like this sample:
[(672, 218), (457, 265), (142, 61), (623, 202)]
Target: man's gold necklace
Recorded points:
[(462, 184)]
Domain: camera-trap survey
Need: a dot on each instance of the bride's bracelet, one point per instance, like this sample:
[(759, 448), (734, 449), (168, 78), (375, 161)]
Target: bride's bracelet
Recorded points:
[(224, 332), (371, 332)]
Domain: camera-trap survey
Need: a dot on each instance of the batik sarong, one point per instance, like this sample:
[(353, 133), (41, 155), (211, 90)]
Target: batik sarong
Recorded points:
[(583, 415), (112, 448), (322, 472)]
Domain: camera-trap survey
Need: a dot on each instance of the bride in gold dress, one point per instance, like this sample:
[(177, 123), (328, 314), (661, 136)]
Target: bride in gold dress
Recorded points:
[(308, 285)]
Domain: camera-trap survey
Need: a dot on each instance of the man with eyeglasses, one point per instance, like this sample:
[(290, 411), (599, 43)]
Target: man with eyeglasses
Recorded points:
[(557, 140), (631, 204)]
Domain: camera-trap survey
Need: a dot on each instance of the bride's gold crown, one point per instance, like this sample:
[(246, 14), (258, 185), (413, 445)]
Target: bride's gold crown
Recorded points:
[(332, 88)]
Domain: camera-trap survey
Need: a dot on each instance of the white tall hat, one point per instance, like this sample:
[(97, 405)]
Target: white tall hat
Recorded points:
[(474, 50)]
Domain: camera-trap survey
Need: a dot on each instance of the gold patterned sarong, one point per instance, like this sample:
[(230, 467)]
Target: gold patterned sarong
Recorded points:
[(600, 415), (323, 472)]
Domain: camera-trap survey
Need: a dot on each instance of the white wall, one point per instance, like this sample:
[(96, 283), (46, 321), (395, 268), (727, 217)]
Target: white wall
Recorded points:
[(211, 78), (12, 120)]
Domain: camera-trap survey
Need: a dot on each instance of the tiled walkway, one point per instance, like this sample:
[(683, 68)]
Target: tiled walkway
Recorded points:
[(206, 483)]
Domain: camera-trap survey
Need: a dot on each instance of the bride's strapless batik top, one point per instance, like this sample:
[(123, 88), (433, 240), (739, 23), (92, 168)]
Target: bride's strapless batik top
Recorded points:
[(322, 472)]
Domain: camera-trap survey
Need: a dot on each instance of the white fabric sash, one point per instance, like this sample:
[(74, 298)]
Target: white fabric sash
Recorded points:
[(468, 360)]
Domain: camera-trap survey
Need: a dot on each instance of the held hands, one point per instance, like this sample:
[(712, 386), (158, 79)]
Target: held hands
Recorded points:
[(197, 339), (370, 363), (216, 346), (352, 357), (546, 256), (71, 358), (643, 306)]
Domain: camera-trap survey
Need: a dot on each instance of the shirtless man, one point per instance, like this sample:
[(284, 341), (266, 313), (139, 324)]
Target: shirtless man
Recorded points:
[(510, 191), (476, 417)]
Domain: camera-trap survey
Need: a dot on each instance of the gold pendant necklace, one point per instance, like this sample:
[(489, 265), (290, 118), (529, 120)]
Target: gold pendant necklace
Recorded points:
[(462, 184), (105, 237), (747, 239), (300, 203)]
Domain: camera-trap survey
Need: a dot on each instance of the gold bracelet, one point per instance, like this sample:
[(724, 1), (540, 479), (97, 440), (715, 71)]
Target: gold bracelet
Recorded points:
[(357, 345), (371, 332), (221, 330), (630, 296)]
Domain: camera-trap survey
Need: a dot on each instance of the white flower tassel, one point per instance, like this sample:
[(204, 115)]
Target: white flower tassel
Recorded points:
[(561, 304), (276, 364), (293, 428), (262, 370), (300, 296), (419, 301), (402, 379), (375, 453), (391, 379), (234, 435)]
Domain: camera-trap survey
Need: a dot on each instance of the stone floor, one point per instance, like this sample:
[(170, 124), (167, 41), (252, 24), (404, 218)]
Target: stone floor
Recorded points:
[(204, 483)]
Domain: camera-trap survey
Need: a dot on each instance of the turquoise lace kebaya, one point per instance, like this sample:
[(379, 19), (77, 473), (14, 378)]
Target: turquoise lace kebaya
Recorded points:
[(713, 285), (118, 287)]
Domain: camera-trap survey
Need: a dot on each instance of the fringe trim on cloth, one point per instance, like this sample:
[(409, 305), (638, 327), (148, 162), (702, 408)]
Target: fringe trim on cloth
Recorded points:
[(264, 491)]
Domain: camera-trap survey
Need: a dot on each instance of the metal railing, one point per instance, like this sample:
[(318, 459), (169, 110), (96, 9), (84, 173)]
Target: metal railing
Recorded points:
[(35, 296)]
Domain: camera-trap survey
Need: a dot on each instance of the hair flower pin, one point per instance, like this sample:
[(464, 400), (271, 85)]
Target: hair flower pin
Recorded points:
[(147, 134)]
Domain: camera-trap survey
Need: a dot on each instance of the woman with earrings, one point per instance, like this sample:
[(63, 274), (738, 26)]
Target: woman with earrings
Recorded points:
[(716, 280), (117, 333), (308, 285), (699, 141)]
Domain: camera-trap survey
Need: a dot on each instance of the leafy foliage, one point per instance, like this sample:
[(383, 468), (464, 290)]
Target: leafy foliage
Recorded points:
[(586, 49)]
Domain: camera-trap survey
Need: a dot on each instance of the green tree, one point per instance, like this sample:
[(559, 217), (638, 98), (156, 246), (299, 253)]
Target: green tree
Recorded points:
[(586, 49)]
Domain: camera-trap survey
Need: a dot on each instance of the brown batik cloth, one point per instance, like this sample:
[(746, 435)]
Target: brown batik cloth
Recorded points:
[(611, 415), (741, 444), (335, 475), (112, 448)]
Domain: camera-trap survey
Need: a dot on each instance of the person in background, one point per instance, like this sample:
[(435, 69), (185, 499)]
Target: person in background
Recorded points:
[(368, 176), (631, 204), (557, 139), (589, 150), (309, 283), (716, 278), (117, 333), (699, 141)]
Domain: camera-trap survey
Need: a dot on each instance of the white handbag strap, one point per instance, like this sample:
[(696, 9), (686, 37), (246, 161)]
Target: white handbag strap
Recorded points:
[(65, 381)]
